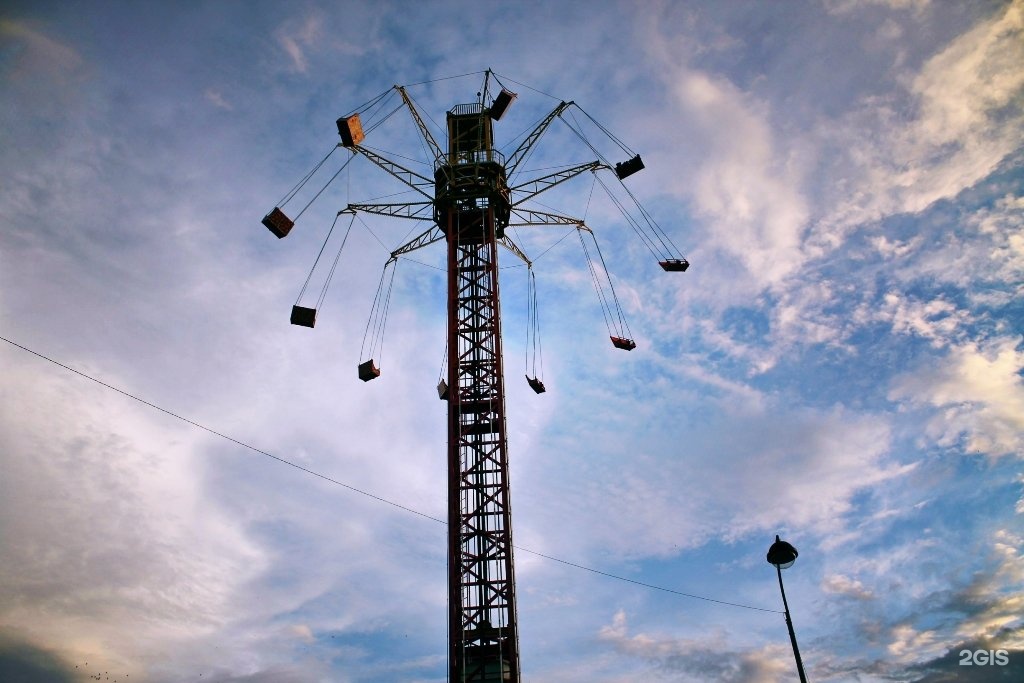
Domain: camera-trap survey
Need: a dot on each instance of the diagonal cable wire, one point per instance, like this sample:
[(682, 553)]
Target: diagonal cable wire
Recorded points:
[(221, 434), (647, 585), (444, 78), (361, 491)]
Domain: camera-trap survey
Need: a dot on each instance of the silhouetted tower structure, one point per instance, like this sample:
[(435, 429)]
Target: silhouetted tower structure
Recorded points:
[(470, 203)]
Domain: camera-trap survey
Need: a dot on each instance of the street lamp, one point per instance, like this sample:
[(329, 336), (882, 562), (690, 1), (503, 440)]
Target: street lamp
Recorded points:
[(783, 555)]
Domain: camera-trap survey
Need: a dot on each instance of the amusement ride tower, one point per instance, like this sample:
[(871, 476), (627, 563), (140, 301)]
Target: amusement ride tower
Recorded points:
[(470, 203)]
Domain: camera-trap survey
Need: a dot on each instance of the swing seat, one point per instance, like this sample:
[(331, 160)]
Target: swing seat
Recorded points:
[(350, 128), (501, 103), (627, 168), (368, 371), (535, 384), (442, 390), (674, 265), (278, 223), (623, 343), (306, 317)]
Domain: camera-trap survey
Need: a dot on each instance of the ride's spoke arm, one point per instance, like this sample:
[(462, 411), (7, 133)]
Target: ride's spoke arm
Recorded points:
[(419, 211), (434, 234), (526, 145), (435, 149), (413, 179), (507, 242), (532, 217), (534, 187)]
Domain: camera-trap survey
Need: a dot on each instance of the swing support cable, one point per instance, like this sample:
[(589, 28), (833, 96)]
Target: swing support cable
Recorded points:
[(615, 320), (376, 323), (533, 344), (306, 317), (277, 221)]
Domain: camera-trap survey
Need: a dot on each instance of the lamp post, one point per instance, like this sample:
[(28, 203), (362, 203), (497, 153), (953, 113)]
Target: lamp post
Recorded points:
[(783, 555)]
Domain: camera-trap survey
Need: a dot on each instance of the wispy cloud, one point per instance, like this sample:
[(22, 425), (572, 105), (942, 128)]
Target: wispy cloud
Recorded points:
[(743, 187), (297, 38), (955, 123), (844, 585), (216, 98), (95, 542), (847, 6), (32, 53), (979, 394), (712, 657)]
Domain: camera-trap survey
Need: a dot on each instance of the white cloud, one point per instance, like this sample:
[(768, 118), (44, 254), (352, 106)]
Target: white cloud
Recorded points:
[(748, 182), (926, 614), (1002, 232), (981, 253), (711, 657), (216, 98), (800, 316), (753, 465), (997, 593), (959, 122), (909, 645), (42, 55), (104, 526), (843, 585), (977, 391), (939, 321), (740, 175), (963, 89), (303, 632), (743, 186), (850, 6), (895, 248), (758, 359), (296, 38)]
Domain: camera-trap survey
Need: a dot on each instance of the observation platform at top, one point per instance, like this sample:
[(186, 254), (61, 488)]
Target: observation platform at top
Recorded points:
[(480, 156), (470, 182), (470, 137)]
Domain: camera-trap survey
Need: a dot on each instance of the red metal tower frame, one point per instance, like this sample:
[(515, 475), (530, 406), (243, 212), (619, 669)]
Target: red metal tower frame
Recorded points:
[(472, 204)]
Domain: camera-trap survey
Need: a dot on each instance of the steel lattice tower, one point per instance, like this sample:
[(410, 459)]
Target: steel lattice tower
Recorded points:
[(472, 207)]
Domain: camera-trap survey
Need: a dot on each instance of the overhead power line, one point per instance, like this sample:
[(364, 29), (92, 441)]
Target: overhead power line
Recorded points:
[(361, 491), (220, 434)]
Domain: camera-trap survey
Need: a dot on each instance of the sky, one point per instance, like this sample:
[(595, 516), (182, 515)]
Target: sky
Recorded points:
[(841, 365)]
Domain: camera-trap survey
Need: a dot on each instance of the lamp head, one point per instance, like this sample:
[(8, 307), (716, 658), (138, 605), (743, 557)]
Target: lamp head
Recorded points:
[(782, 554)]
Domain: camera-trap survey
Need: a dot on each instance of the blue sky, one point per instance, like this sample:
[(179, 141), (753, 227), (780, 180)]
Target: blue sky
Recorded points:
[(841, 365)]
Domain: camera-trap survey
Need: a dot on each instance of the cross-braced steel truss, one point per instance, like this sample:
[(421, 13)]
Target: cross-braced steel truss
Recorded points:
[(483, 637)]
